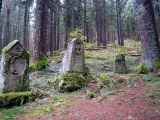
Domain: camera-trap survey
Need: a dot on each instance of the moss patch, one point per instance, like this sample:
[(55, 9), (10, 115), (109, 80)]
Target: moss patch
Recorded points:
[(26, 55), (15, 98), (39, 65), (5, 49), (69, 81), (22, 87), (141, 69)]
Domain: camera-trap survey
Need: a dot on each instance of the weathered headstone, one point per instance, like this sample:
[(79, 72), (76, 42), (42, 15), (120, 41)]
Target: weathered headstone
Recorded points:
[(14, 68), (120, 66), (73, 60)]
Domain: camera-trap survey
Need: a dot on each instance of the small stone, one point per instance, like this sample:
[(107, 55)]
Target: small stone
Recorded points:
[(130, 118), (120, 66)]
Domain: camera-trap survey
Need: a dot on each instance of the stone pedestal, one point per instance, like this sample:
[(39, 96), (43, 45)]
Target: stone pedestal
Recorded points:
[(73, 60), (120, 66), (14, 68)]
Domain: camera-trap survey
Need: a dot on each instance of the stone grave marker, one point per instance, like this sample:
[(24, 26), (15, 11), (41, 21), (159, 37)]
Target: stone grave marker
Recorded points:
[(14, 68), (120, 66), (73, 60)]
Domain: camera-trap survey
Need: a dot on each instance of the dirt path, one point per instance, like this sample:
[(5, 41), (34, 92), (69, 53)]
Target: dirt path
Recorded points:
[(131, 104)]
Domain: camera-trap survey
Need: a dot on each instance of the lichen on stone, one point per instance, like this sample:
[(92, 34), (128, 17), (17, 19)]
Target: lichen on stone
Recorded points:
[(11, 44)]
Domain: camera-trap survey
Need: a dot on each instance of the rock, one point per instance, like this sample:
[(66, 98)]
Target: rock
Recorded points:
[(14, 68), (120, 66), (15, 98), (69, 81), (73, 60)]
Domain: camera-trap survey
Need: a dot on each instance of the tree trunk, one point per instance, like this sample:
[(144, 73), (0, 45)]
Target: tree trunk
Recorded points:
[(0, 5), (66, 24), (51, 33), (148, 33), (97, 22), (26, 26), (39, 26), (104, 24), (58, 24), (8, 35)]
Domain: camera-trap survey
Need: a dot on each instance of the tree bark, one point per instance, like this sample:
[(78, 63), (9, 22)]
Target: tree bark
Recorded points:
[(39, 26), (149, 37), (104, 24), (0, 5), (8, 35)]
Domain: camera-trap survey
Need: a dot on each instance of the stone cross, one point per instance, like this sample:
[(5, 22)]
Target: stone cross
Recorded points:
[(73, 60), (14, 68)]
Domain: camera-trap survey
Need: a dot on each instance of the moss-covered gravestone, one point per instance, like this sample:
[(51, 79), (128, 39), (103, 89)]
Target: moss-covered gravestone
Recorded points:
[(73, 60), (14, 68), (71, 75), (120, 66)]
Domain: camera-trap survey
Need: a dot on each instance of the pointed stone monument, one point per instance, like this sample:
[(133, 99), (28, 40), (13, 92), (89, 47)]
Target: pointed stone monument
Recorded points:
[(14, 68), (73, 60)]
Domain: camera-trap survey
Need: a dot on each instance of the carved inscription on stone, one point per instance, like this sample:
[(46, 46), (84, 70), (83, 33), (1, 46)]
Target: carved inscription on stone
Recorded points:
[(73, 59), (17, 65)]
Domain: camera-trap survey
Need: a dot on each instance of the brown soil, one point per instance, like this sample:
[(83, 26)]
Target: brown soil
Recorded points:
[(132, 103)]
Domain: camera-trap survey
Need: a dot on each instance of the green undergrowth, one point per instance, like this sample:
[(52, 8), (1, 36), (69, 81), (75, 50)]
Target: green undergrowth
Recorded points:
[(38, 109), (141, 69), (9, 113), (62, 101), (39, 65), (34, 108), (152, 80)]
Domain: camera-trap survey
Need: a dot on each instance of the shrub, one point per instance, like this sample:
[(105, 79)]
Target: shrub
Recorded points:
[(90, 94), (39, 65), (77, 33), (157, 65), (141, 68)]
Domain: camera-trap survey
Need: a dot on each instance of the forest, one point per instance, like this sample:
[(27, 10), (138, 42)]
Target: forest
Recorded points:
[(79, 59)]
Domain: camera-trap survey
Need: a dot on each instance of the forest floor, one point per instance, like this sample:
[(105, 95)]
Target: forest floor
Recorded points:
[(129, 96)]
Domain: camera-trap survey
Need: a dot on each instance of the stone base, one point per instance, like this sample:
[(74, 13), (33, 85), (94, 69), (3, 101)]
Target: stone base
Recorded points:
[(15, 98), (69, 81)]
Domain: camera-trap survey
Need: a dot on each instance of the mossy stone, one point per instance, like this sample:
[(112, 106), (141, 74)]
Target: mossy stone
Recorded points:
[(69, 81), (15, 98)]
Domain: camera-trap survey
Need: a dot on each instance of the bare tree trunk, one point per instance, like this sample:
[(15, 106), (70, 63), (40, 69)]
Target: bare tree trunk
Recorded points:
[(66, 24), (97, 22), (8, 35), (149, 37), (51, 33), (0, 5), (39, 26), (104, 24), (58, 24)]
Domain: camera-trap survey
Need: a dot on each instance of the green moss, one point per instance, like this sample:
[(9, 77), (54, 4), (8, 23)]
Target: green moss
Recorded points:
[(90, 94), (39, 65), (36, 110), (9, 113), (157, 65), (25, 55), (120, 81), (5, 49), (15, 98), (105, 78), (69, 81), (88, 74), (141, 68), (22, 87)]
